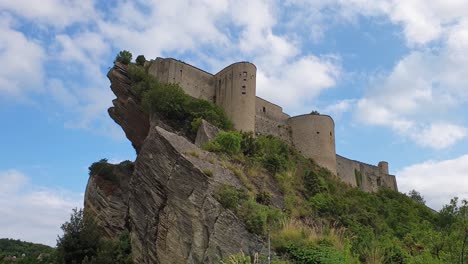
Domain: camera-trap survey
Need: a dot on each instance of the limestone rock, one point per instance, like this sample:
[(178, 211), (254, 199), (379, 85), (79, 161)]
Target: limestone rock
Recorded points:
[(205, 133)]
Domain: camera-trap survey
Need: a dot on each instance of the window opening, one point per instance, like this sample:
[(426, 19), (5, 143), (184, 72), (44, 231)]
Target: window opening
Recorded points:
[(243, 89), (264, 110)]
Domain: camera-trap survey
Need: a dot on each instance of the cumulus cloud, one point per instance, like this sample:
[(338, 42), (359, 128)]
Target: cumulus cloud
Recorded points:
[(437, 181), (33, 213), (23, 60), (56, 13)]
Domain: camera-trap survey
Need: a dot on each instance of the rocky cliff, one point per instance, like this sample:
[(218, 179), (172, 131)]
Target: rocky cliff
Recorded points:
[(167, 200)]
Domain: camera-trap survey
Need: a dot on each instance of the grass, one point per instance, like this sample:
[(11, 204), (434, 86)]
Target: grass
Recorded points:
[(208, 172)]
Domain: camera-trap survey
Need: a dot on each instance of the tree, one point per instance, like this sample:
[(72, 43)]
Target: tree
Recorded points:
[(80, 239), (124, 57), (416, 196), (140, 60)]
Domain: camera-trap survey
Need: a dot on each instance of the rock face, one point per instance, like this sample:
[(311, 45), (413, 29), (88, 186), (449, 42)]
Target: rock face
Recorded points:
[(205, 133), (168, 202), (107, 201), (126, 111)]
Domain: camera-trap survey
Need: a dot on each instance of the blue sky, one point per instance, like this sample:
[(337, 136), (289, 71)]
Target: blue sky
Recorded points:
[(392, 74)]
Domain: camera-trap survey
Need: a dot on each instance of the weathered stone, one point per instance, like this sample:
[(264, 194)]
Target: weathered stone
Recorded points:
[(205, 133), (127, 111), (175, 218), (107, 201)]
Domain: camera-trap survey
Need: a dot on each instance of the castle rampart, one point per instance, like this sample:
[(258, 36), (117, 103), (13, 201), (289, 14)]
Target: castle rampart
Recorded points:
[(234, 89), (367, 177)]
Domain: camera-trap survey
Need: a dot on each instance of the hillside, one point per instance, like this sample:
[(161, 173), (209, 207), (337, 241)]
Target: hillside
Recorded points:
[(197, 194), (16, 251)]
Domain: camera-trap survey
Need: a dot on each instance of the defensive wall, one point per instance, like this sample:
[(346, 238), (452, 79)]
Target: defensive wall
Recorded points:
[(367, 177), (234, 89)]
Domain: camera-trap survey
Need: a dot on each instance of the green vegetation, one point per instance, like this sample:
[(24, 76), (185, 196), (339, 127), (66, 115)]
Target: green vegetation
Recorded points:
[(104, 169), (171, 103), (140, 60), (82, 242), (381, 227), (124, 57), (33, 253)]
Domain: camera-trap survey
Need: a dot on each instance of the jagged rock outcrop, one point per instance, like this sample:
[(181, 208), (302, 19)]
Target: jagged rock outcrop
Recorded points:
[(168, 202), (127, 110), (107, 200), (205, 133)]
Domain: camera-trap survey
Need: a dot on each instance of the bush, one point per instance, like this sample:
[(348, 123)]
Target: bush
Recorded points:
[(263, 197), (227, 142), (259, 218), (104, 169), (168, 100), (140, 60), (135, 73), (313, 183), (124, 57), (231, 197)]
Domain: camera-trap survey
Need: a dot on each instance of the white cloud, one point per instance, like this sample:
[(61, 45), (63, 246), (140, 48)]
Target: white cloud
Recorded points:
[(440, 135), (296, 83), (339, 108), (33, 213), (22, 59), (437, 181), (56, 13)]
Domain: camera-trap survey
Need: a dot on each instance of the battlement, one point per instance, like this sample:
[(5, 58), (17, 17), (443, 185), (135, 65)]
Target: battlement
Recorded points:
[(234, 89)]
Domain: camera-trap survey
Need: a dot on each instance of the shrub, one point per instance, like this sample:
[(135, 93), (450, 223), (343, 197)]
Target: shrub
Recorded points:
[(124, 57), (227, 142), (140, 60), (259, 218), (168, 100), (263, 197), (313, 183), (231, 197), (104, 169), (135, 73)]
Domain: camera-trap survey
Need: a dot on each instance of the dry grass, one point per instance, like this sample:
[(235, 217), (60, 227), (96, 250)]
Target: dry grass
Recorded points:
[(308, 231), (193, 153), (238, 171)]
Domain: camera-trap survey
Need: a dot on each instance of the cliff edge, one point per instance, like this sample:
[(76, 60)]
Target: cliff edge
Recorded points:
[(165, 199)]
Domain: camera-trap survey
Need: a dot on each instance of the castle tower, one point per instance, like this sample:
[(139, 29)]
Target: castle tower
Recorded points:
[(314, 137), (235, 88), (383, 166)]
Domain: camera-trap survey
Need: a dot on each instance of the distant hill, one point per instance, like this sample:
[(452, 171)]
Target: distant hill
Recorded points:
[(24, 252)]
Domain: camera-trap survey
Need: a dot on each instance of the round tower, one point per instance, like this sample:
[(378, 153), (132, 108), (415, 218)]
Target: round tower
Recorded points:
[(235, 90), (314, 136), (383, 166)]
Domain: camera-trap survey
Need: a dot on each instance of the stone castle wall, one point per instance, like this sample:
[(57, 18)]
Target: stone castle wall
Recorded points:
[(270, 120), (234, 89), (195, 82), (367, 177)]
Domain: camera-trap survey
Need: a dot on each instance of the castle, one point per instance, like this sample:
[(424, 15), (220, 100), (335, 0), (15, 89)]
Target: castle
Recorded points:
[(313, 135)]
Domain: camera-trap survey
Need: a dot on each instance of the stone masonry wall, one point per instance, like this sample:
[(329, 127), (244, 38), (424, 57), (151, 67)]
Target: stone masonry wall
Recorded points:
[(367, 177), (195, 82), (270, 120)]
